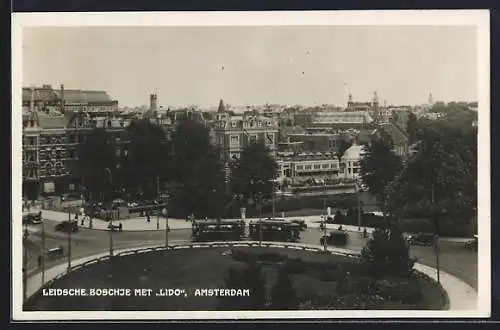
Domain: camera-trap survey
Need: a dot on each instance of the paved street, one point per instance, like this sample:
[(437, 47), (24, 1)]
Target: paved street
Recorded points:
[(455, 259)]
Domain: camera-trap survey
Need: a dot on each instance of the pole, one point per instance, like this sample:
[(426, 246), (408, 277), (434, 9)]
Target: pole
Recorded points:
[(260, 223), (274, 199), (157, 203), (359, 206), (166, 223), (25, 265), (43, 252), (325, 214), (70, 230), (436, 243)]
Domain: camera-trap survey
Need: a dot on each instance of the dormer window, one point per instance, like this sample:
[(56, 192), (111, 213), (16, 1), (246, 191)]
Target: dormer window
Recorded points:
[(233, 124)]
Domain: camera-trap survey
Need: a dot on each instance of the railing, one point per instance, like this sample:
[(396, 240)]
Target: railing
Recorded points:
[(229, 244)]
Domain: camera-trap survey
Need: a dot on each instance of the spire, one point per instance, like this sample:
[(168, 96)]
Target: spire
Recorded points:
[(375, 97), (222, 107), (431, 99)]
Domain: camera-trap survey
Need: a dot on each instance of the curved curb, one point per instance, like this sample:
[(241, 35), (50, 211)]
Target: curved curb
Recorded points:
[(460, 295)]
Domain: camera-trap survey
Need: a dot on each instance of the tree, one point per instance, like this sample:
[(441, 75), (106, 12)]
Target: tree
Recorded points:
[(97, 163), (251, 278), (253, 173), (343, 145), (148, 158), (198, 173), (387, 253), (379, 166), (283, 295), (440, 179)]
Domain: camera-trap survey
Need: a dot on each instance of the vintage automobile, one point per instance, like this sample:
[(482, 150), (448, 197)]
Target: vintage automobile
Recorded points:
[(335, 237), (274, 230), (32, 217), (472, 244), (54, 253), (115, 227), (425, 239), (302, 223), (217, 230), (67, 226)]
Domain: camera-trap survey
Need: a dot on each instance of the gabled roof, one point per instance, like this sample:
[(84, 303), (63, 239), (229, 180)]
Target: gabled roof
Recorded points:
[(97, 96), (397, 135), (72, 96)]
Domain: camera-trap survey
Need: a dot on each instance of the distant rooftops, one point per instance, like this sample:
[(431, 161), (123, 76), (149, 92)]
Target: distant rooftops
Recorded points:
[(47, 94)]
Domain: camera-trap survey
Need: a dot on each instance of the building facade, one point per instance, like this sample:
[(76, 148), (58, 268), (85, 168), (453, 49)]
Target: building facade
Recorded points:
[(233, 133), (55, 123)]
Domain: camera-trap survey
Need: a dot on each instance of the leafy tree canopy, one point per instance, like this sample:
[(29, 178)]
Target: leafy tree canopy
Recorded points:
[(379, 166), (253, 172)]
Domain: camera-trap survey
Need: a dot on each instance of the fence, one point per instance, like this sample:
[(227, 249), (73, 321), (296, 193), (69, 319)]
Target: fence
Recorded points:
[(230, 244)]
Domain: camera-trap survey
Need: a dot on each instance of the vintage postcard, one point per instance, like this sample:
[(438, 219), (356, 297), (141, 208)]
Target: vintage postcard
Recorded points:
[(250, 165)]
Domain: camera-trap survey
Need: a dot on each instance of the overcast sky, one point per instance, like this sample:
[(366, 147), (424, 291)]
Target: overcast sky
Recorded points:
[(256, 65)]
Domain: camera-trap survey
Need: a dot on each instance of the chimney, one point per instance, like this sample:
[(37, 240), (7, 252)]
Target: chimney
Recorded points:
[(62, 98)]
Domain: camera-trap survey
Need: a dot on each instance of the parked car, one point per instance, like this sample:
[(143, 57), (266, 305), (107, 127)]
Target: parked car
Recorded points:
[(472, 244), (67, 226), (32, 217), (426, 239), (335, 237)]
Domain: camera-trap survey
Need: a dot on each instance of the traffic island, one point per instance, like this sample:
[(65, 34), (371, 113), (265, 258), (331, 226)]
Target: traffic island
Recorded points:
[(217, 279)]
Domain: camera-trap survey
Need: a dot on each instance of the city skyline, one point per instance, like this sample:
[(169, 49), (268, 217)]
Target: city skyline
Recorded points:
[(257, 65)]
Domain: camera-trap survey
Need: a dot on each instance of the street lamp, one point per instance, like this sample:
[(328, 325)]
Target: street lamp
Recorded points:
[(357, 188), (70, 231), (25, 263), (110, 178)]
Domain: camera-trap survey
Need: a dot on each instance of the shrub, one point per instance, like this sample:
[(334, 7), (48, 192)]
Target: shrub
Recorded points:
[(295, 266), (283, 295), (387, 253), (405, 291), (271, 257)]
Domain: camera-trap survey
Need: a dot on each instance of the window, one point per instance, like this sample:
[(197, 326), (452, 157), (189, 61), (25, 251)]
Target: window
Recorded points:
[(259, 124), (326, 165), (235, 139), (308, 167), (299, 167), (317, 166), (268, 123), (233, 124)]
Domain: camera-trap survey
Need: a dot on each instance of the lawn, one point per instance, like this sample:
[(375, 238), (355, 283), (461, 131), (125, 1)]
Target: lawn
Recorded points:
[(321, 281)]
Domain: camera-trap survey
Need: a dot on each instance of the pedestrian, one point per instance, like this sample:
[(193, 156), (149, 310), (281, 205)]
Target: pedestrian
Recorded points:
[(82, 222), (76, 217), (365, 233), (120, 226)]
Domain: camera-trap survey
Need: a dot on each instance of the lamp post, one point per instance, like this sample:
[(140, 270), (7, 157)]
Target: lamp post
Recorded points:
[(436, 241), (110, 178), (70, 231), (25, 264), (165, 213), (43, 252), (356, 186), (157, 203), (325, 215)]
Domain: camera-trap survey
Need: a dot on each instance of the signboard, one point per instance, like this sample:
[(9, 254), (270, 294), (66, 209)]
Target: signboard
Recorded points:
[(49, 187)]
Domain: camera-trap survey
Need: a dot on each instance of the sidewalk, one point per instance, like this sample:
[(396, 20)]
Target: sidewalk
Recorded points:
[(131, 224)]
